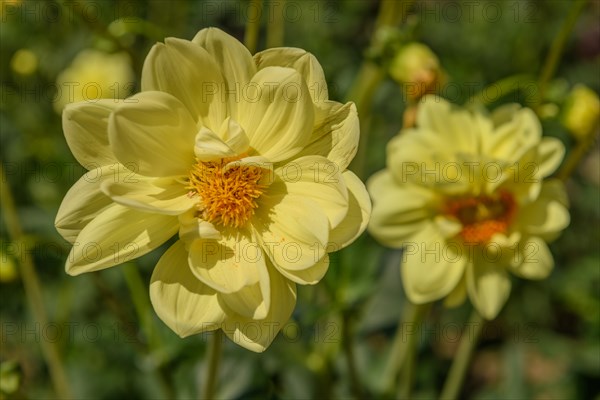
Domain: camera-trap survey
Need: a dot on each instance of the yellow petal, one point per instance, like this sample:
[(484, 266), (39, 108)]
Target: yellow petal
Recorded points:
[(308, 276), (233, 134), (457, 296), (233, 60), (519, 131), (523, 180), (293, 230), (258, 335), (453, 126), (504, 113), (359, 212), (551, 152), (153, 135), (533, 259), (183, 302), (86, 130), (488, 285), (186, 71), (230, 142), (277, 113), (303, 62), (335, 134), (116, 235), (84, 201), (192, 228), (227, 264), (250, 301), (418, 156), (431, 268), (318, 179), (157, 195), (547, 216), (209, 146), (400, 210)]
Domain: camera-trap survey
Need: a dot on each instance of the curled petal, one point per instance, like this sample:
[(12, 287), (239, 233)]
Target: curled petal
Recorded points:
[(183, 302)]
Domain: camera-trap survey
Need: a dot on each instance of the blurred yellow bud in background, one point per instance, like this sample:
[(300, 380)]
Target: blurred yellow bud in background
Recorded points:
[(94, 75), (24, 62), (8, 269), (418, 68), (581, 111)]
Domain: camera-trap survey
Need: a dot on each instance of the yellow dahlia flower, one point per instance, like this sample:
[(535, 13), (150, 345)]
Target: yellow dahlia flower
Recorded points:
[(243, 158), (464, 195)]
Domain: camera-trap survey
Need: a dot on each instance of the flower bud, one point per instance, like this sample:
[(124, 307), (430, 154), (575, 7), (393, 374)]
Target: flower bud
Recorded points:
[(94, 75), (581, 112), (24, 62), (8, 270), (418, 68)]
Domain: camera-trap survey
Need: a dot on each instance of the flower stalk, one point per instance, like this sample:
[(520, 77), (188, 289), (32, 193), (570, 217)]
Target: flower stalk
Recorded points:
[(141, 304), (33, 290), (458, 370), (214, 357), (350, 357), (403, 345), (576, 155), (558, 46), (253, 27), (370, 75), (276, 29)]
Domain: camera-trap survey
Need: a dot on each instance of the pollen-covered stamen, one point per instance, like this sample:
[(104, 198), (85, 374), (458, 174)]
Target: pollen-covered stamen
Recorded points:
[(227, 195), (482, 216)]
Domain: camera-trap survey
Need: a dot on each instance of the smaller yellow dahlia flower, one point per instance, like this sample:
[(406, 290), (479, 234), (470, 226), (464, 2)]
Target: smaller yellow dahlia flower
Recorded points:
[(464, 195), (244, 159)]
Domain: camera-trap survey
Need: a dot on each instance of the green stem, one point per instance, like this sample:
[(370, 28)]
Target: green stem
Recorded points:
[(501, 88), (558, 46), (253, 26), (143, 309), (404, 342), (407, 376), (350, 358), (100, 29), (276, 29), (576, 155), (368, 79), (370, 75), (469, 340), (214, 357), (152, 345), (33, 289)]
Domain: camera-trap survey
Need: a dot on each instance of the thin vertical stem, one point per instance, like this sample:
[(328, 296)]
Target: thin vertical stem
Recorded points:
[(33, 289), (576, 155), (253, 26), (391, 13), (214, 358), (407, 376), (276, 29), (141, 304), (404, 341), (350, 357), (458, 370), (558, 46)]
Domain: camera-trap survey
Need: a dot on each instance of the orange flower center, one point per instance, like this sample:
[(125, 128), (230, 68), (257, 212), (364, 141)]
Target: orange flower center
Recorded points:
[(482, 216), (227, 194)]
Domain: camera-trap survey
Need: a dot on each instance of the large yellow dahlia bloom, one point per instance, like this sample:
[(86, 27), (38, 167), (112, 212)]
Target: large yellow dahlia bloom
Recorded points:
[(464, 195), (244, 158)]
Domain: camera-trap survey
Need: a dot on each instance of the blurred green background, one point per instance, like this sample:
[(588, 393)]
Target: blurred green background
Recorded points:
[(544, 345)]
